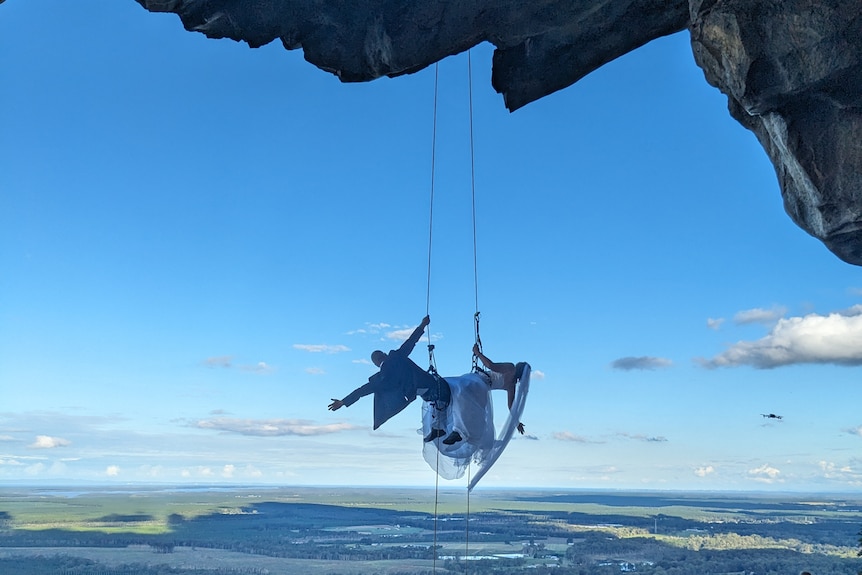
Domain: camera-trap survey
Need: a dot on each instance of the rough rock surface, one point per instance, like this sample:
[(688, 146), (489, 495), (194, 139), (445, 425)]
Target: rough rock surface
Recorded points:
[(791, 69)]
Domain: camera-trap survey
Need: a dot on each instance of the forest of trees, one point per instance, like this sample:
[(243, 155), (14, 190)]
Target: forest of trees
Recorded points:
[(582, 544)]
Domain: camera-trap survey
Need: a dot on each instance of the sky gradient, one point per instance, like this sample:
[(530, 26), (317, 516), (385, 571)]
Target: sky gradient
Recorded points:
[(201, 244)]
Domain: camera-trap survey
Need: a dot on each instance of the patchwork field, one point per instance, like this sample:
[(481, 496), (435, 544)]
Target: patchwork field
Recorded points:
[(390, 531)]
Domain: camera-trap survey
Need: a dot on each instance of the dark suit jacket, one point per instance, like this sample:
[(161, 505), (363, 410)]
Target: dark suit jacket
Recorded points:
[(397, 383)]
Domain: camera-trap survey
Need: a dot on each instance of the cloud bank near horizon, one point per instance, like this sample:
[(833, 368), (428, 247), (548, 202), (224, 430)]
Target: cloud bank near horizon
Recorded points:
[(270, 427)]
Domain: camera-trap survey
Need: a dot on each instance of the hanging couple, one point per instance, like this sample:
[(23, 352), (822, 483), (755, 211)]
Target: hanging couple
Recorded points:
[(458, 409)]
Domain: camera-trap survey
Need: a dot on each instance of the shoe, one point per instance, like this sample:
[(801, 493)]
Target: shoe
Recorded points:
[(435, 433), (453, 438)]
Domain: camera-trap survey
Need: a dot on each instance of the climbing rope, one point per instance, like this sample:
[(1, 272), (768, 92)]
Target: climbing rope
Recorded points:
[(473, 180), (475, 282), (475, 367), (432, 367), (432, 364), (431, 202)]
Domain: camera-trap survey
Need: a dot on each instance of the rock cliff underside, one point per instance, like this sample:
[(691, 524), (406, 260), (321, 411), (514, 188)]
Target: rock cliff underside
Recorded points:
[(791, 69)]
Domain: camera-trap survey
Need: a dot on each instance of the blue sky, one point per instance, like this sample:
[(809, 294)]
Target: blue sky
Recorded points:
[(202, 243)]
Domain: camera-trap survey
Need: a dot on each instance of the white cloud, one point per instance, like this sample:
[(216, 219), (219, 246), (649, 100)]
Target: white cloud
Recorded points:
[(35, 469), (253, 471), (112, 471), (314, 371), (568, 436), (372, 328), (704, 471), (759, 315), (852, 310), (400, 334), (48, 442), (843, 473), (260, 367), (152, 471), (228, 470), (607, 470), (835, 338), (6, 438), (226, 362), (271, 427), (223, 361), (855, 430), (10, 461), (321, 348), (642, 362), (645, 438), (765, 474), (714, 323), (537, 374)]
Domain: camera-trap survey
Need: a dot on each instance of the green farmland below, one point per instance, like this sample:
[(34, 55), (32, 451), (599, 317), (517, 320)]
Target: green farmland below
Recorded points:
[(393, 531)]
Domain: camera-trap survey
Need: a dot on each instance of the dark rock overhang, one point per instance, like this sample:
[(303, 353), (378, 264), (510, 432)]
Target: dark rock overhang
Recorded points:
[(791, 69)]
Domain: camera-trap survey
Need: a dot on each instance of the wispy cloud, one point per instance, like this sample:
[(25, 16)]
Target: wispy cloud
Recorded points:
[(568, 436), (260, 367), (48, 442), (765, 474), (835, 338), (226, 362), (602, 471), (704, 470), (400, 334), (270, 427), (843, 473), (537, 374), (321, 348), (645, 438), (759, 315), (370, 328), (222, 361), (854, 430), (642, 363), (714, 323), (315, 371)]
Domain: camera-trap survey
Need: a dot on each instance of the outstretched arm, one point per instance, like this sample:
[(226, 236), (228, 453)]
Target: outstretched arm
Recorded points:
[(511, 394), (507, 369), (503, 368), (411, 342), (353, 397)]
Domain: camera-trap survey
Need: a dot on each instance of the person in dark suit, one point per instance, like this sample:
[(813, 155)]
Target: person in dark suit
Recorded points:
[(398, 383)]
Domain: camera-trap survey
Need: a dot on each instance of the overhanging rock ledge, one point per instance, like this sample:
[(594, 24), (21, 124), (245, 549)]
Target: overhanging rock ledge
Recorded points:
[(791, 69)]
